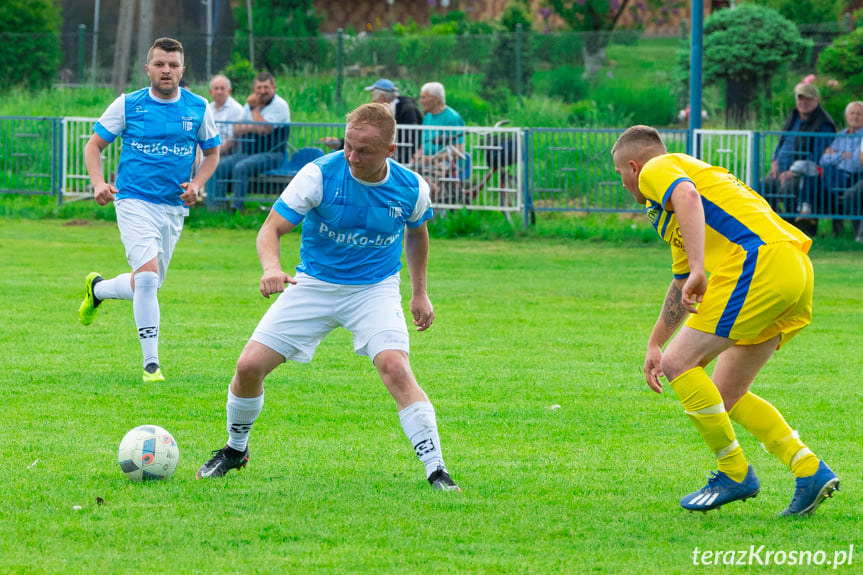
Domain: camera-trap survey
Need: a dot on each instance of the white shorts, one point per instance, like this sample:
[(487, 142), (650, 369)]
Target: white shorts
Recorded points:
[(148, 231), (305, 313)]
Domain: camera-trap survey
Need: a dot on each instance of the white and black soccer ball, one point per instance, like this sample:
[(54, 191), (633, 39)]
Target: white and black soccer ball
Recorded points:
[(148, 452)]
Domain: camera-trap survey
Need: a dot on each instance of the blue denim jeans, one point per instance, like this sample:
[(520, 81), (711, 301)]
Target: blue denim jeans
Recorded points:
[(235, 171)]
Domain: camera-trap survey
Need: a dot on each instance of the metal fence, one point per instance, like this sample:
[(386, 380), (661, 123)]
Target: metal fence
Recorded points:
[(29, 155), (509, 170), (572, 170), (476, 168)]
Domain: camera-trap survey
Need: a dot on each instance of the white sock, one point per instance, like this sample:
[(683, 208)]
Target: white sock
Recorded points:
[(242, 413), (418, 421), (119, 287), (145, 304)]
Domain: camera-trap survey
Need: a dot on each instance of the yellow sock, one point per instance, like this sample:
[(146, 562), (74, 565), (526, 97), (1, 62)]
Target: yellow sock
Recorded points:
[(703, 405), (764, 421)]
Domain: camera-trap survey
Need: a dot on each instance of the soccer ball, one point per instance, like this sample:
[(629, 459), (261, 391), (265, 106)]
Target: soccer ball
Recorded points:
[(148, 452)]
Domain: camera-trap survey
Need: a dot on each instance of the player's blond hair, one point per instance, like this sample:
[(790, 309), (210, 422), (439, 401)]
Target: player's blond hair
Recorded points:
[(378, 116), (639, 143)]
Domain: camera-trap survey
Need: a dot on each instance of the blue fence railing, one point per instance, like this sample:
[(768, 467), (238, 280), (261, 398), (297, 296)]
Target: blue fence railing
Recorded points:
[(30, 155), (532, 170)]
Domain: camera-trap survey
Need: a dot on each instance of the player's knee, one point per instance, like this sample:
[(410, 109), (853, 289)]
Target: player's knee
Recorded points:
[(672, 367), (250, 372), (393, 365)]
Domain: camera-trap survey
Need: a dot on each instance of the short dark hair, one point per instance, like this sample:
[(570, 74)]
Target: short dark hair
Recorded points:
[(166, 44), (265, 77)]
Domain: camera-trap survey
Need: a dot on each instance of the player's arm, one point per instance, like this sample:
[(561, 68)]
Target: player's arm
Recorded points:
[(102, 191), (191, 190), (416, 254), (274, 279), (672, 315), (686, 203)]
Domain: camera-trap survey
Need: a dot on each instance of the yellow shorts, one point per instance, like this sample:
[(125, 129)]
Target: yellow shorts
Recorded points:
[(758, 295)]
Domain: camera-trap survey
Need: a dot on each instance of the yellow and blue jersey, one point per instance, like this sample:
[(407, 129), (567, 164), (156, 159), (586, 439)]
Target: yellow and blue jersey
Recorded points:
[(737, 219), (761, 280)]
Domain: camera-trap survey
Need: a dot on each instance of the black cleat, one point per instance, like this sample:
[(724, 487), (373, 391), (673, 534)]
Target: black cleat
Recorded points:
[(223, 460), (441, 481)]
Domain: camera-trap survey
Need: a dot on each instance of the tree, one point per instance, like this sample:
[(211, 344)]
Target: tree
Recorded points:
[(806, 11), (843, 59), (500, 71), (29, 43), (285, 34), (744, 48), (601, 17)]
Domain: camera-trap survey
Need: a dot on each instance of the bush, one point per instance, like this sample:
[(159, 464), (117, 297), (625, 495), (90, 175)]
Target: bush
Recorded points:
[(567, 83), (286, 35), (29, 43), (844, 59), (743, 49), (241, 74)]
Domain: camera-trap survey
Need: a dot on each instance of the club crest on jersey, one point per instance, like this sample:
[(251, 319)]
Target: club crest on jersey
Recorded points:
[(188, 124), (395, 210)]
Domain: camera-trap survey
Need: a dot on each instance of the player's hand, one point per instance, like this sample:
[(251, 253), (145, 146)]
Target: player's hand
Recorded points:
[(693, 291), (190, 193), (275, 282), (104, 193), (423, 312), (653, 368)]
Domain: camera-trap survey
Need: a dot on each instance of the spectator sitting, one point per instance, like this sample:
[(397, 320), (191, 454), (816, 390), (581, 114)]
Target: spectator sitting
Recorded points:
[(842, 161), (794, 161), (438, 156), (405, 112), (226, 111), (263, 143)]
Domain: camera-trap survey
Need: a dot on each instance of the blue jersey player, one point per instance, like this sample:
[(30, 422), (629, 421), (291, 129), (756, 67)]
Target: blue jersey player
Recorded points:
[(357, 206), (161, 127)]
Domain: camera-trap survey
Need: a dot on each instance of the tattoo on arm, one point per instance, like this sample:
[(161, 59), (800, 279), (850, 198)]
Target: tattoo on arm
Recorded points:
[(673, 311)]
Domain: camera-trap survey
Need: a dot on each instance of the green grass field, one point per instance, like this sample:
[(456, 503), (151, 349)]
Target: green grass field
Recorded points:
[(333, 485)]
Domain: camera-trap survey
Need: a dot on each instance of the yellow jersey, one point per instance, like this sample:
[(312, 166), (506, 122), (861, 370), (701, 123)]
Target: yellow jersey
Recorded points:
[(737, 219)]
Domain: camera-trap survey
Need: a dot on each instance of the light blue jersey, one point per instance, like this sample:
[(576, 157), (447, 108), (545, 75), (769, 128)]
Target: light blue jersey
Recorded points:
[(353, 230), (159, 142)]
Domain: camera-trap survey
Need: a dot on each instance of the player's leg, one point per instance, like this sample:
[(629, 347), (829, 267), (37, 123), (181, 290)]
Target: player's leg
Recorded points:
[(735, 371), (416, 412), (375, 317), (97, 289), (683, 363), (291, 328), (145, 306)]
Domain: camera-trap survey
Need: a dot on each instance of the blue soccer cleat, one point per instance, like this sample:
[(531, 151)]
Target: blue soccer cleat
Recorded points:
[(812, 490), (721, 489)]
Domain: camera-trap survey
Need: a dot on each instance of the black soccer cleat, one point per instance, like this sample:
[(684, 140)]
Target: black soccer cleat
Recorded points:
[(223, 460), (441, 481)]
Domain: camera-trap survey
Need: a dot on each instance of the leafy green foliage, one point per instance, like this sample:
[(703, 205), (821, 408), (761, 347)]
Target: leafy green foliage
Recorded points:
[(501, 68), (844, 59), (805, 11), (273, 21), (749, 44), (30, 50), (242, 75)]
